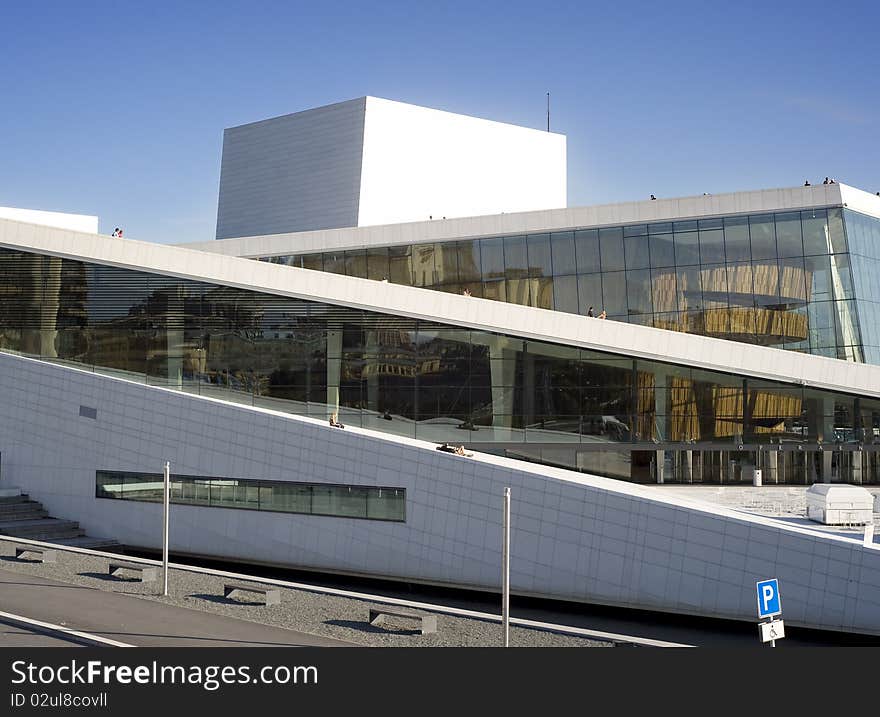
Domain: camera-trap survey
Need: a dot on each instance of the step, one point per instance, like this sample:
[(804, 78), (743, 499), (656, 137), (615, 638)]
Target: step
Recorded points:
[(33, 514), (37, 523), (22, 517), (40, 527), (19, 507), (46, 535), (84, 541)]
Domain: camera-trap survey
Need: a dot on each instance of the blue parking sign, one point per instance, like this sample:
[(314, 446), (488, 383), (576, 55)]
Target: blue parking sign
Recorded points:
[(769, 603)]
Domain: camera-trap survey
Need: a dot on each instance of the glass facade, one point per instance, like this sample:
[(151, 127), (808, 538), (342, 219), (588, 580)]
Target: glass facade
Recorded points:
[(863, 236), (583, 409), (778, 279), (338, 501)]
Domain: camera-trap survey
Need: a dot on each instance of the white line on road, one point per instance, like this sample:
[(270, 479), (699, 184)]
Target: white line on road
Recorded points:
[(28, 622)]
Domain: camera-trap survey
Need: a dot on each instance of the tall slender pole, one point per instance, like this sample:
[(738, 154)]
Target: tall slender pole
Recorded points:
[(548, 111), (166, 499), (505, 570)]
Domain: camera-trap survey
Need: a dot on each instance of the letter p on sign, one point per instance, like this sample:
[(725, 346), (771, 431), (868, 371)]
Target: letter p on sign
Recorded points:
[(769, 603)]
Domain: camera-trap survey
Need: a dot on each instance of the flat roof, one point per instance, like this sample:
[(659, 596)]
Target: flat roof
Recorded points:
[(640, 212)]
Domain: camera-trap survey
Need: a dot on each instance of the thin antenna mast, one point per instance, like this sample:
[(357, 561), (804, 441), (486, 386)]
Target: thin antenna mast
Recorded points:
[(548, 111)]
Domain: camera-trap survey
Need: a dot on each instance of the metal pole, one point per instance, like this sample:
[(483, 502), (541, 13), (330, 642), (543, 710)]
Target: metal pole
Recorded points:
[(505, 570), (548, 111), (166, 499)]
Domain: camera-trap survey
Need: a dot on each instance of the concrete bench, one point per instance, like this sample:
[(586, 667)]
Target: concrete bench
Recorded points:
[(427, 623), (40, 555), (271, 595), (148, 573)]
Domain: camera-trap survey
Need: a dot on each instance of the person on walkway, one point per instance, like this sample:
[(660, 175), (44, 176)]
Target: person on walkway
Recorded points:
[(334, 420), (603, 314), (590, 312)]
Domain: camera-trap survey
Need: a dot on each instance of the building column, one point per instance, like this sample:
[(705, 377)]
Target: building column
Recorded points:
[(770, 464), (334, 368), (502, 367), (41, 291), (820, 418), (174, 331), (856, 457), (660, 465), (687, 466), (661, 418), (528, 387), (372, 350), (812, 474)]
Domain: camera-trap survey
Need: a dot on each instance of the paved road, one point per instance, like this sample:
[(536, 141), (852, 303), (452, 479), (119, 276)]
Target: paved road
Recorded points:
[(13, 636), (143, 623)]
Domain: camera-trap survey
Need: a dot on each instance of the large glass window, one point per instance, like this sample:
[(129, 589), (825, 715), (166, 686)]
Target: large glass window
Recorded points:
[(611, 249), (711, 242), (468, 261), (789, 240), (540, 263), (815, 228), (424, 380), (736, 239), (492, 258), (516, 260), (687, 248), (564, 261), (662, 250), (763, 235), (638, 291), (565, 294), (636, 248), (590, 293), (339, 501), (614, 293), (587, 248)]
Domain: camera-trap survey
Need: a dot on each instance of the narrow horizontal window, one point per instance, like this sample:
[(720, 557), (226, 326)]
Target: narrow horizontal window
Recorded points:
[(324, 499)]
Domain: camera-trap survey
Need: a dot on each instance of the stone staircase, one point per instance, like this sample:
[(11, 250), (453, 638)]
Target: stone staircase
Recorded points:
[(21, 517)]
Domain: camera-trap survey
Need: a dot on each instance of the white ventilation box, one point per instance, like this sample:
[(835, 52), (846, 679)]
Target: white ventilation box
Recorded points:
[(839, 504)]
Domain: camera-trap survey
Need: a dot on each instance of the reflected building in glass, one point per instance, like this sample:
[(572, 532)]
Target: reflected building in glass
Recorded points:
[(781, 279), (784, 269), (800, 280)]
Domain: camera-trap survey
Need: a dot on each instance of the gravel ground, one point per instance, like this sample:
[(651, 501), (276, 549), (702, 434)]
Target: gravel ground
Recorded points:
[(310, 612)]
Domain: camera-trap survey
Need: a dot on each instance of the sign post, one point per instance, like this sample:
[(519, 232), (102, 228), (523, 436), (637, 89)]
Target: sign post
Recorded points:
[(769, 606), (505, 570), (166, 500)]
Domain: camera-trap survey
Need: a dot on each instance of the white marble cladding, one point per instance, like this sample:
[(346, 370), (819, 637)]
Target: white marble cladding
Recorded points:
[(421, 162), (451, 309), (758, 201), (77, 222), (292, 173), (574, 537), (375, 161)]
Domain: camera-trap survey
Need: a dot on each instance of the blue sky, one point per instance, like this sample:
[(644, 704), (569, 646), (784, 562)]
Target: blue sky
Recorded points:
[(118, 108)]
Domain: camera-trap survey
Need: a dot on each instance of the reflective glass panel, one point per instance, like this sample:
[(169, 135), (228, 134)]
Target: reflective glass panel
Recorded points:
[(587, 248), (611, 247), (562, 245)]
